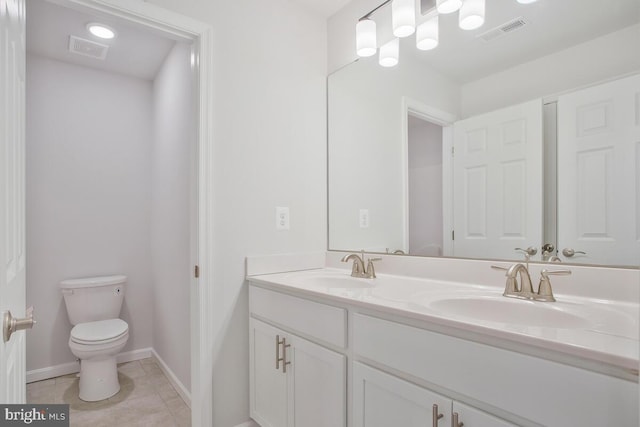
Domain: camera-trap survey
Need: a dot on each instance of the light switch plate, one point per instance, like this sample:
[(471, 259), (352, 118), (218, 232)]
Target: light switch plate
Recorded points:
[(282, 218)]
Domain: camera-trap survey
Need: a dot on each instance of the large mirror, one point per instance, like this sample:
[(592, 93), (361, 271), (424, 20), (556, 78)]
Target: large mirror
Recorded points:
[(520, 136)]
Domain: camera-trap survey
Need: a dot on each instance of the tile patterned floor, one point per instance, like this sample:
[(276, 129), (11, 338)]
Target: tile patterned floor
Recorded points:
[(146, 398)]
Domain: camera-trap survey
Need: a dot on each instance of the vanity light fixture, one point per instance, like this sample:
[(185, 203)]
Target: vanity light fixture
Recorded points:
[(366, 44), (100, 30), (427, 34), (403, 17), (389, 53), (448, 6), (471, 16)]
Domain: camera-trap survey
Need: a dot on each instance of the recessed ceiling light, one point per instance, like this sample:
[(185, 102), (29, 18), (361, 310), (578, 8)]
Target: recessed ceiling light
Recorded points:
[(101, 30)]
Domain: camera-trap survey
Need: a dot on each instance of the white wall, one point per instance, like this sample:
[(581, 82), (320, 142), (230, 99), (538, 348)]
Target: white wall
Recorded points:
[(366, 154), (425, 188), (88, 141), (603, 58), (170, 216), (270, 150)]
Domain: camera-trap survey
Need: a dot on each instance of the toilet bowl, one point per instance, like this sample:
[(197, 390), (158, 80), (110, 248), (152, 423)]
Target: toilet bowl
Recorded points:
[(97, 344), (93, 305)]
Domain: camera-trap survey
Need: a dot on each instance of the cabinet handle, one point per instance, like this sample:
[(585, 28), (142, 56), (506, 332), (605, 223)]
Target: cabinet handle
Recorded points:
[(284, 355), (436, 416), (454, 420), (278, 358)]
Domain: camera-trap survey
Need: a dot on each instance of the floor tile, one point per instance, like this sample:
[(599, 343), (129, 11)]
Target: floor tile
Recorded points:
[(146, 398)]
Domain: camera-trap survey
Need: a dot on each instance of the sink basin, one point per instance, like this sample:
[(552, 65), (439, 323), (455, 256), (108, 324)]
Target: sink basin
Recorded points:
[(507, 310)]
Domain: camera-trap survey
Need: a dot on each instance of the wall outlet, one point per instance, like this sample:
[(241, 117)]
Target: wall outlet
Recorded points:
[(364, 218), (282, 218)]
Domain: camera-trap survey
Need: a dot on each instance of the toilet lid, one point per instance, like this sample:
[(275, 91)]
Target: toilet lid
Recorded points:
[(100, 330)]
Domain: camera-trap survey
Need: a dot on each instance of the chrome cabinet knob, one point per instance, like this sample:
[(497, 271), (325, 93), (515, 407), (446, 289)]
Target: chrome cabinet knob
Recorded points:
[(569, 252)]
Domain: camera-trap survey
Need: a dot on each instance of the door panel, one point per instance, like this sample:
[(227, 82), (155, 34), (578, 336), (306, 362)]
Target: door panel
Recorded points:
[(12, 179), (472, 417), (498, 182), (598, 180)]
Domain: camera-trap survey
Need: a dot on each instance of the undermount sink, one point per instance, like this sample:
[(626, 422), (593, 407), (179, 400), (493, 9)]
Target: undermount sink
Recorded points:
[(507, 310)]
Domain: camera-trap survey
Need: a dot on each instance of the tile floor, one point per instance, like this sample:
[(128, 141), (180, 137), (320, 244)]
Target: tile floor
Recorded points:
[(146, 398)]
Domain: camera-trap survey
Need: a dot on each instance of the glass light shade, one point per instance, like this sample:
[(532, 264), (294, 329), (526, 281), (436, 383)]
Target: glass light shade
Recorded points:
[(427, 34), (403, 17), (448, 6), (472, 14), (366, 44), (389, 53), (527, 1)]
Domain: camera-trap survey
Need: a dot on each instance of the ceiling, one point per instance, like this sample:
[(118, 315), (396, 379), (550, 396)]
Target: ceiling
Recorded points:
[(551, 26), (324, 8), (135, 51)]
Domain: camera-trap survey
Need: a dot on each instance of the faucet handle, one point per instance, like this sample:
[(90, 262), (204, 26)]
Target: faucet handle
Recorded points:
[(371, 271), (546, 272), (544, 288)]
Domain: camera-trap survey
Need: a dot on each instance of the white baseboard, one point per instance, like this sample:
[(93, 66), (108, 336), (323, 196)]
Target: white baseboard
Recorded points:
[(175, 382), (249, 423), (73, 367)]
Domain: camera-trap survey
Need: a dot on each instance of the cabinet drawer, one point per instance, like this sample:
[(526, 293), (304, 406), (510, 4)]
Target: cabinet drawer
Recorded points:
[(563, 395), (320, 321)]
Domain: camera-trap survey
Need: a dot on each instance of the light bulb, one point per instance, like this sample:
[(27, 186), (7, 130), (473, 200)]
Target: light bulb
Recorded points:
[(366, 44), (472, 14), (448, 6), (427, 34), (403, 17), (389, 53)]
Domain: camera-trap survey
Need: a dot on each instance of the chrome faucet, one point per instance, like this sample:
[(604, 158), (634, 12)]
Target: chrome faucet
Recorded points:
[(358, 269), (524, 290)]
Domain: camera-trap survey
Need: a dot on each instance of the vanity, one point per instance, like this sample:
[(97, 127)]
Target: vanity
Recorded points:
[(429, 348)]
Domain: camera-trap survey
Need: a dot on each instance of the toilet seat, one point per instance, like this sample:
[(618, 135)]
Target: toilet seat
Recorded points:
[(99, 332)]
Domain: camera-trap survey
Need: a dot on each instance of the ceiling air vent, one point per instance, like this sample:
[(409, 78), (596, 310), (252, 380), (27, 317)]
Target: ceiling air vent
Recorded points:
[(503, 29), (87, 48)]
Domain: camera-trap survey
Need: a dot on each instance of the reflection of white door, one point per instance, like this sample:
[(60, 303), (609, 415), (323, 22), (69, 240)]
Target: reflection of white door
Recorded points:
[(497, 179), (598, 160), (12, 237)]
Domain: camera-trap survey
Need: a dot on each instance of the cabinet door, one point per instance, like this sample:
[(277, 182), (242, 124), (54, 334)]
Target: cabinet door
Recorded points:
[(472, 417), (317, 385), (268, 398), (382, 400)]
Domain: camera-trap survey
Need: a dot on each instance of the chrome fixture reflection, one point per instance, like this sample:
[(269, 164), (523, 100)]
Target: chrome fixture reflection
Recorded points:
[(569, 252), (405, 21)]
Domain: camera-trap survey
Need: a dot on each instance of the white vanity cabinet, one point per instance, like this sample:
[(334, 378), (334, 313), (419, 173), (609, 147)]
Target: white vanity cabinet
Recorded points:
[(383, 400), (294, 381)]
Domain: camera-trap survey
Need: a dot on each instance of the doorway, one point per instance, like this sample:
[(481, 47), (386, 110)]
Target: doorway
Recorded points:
[(179, 27)]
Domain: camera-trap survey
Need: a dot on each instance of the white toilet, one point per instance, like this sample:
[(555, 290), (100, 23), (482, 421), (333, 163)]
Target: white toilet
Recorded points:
[(93, 305)]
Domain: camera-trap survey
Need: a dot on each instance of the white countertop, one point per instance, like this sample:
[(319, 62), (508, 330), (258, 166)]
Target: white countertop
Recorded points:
[(591, 330)]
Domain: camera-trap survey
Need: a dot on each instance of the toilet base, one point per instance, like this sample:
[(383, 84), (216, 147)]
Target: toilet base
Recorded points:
[(98, 379)]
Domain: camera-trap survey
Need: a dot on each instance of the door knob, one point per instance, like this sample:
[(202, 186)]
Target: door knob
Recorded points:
[(11, 324), (568, 252)]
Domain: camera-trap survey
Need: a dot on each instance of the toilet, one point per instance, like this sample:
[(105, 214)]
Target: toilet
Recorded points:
[(98, 335)]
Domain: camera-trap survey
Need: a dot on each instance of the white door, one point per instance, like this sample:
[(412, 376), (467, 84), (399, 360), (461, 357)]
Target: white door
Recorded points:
[(598, 164), (268, 400), (317, 386), (497, 180), (12, 217), (382, 400)]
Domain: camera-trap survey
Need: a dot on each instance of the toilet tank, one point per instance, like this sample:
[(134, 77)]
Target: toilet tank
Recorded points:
[(93, 298)]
